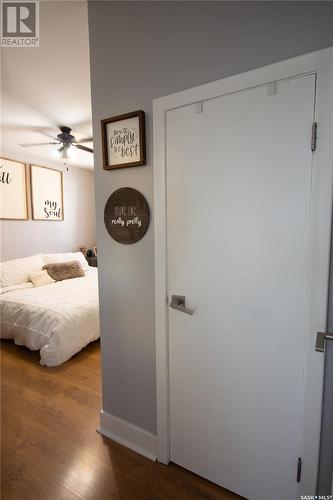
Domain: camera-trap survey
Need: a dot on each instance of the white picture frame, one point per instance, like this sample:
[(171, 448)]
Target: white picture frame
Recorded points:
[(13, 190), (46, 193)]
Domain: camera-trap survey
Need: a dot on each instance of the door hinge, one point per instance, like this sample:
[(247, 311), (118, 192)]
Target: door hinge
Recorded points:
[(314, 136), (299, 470)]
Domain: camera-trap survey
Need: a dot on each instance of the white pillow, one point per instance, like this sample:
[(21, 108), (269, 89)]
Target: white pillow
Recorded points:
[(51, 258), (41, 278), (15, 272)]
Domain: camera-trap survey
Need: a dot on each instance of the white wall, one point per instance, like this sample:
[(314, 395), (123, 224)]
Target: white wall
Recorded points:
[(139, 51), (22, 238)]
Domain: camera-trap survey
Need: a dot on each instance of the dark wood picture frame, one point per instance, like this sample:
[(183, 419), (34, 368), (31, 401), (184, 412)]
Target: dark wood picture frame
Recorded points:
[(107, 162), (32, 193)]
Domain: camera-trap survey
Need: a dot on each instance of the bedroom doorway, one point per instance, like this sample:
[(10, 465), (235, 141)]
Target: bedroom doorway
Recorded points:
[(246, 237)]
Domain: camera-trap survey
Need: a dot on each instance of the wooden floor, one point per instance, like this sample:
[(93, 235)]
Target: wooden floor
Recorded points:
[(50, 449)]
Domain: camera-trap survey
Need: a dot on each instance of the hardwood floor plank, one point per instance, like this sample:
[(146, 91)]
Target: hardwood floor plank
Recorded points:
[(20, 481), (50, 449)]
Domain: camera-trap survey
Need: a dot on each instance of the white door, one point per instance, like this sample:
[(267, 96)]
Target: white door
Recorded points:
[(238, 209)]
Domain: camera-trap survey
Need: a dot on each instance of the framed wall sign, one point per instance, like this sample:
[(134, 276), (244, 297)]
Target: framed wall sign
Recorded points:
[(13, 190), (46, 193), (126, 215), (124, 141)]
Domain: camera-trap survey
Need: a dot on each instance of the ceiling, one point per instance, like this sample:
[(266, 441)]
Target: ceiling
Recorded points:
[(49, 86)]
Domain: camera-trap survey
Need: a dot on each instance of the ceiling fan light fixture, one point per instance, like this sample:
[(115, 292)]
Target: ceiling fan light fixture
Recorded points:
[(71, 144), (67, 143), (66, 152), (61, 153), (71, 153)]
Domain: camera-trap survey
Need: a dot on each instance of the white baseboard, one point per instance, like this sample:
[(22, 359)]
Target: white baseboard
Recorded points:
[(128, 435)]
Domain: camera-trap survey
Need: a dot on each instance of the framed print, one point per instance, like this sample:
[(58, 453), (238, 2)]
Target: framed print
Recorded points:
[(46, 193), (124, 141), (13, 190)]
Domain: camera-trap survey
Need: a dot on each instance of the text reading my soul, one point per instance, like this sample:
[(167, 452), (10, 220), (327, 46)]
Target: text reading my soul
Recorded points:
[(51, 209)]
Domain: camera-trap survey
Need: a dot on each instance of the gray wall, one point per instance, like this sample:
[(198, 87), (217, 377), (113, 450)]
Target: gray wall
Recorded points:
[(325, 470), (23, 238), (143, 50)]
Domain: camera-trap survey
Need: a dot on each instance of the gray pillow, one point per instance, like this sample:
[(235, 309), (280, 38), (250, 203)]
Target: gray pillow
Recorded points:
[(60, 271)]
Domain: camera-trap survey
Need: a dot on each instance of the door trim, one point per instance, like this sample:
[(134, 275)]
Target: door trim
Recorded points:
[(321, 64)]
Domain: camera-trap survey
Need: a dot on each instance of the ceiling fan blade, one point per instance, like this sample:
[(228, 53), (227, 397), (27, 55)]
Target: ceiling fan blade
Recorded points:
[(50, 136), (47, 131), (83, 148), (88, 139), (37, 144)]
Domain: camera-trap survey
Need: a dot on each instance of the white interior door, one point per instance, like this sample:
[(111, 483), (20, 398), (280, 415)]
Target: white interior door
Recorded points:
[(238, 210)]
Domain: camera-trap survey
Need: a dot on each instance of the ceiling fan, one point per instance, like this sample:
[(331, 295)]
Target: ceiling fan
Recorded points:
[(67, 142)]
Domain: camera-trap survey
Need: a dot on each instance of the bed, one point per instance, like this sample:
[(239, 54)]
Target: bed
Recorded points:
[(58, 319)]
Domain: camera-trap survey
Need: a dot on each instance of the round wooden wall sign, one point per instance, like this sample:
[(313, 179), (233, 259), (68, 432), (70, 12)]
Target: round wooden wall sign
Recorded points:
[(126, 215)]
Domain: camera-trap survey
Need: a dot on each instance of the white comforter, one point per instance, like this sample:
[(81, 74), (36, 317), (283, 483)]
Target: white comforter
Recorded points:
[(58, 319)]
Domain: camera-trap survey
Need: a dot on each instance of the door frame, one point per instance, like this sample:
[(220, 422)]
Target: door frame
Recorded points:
[(321, 64)]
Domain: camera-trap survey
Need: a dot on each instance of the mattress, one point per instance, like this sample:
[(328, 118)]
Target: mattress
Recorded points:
[(58, 319)]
